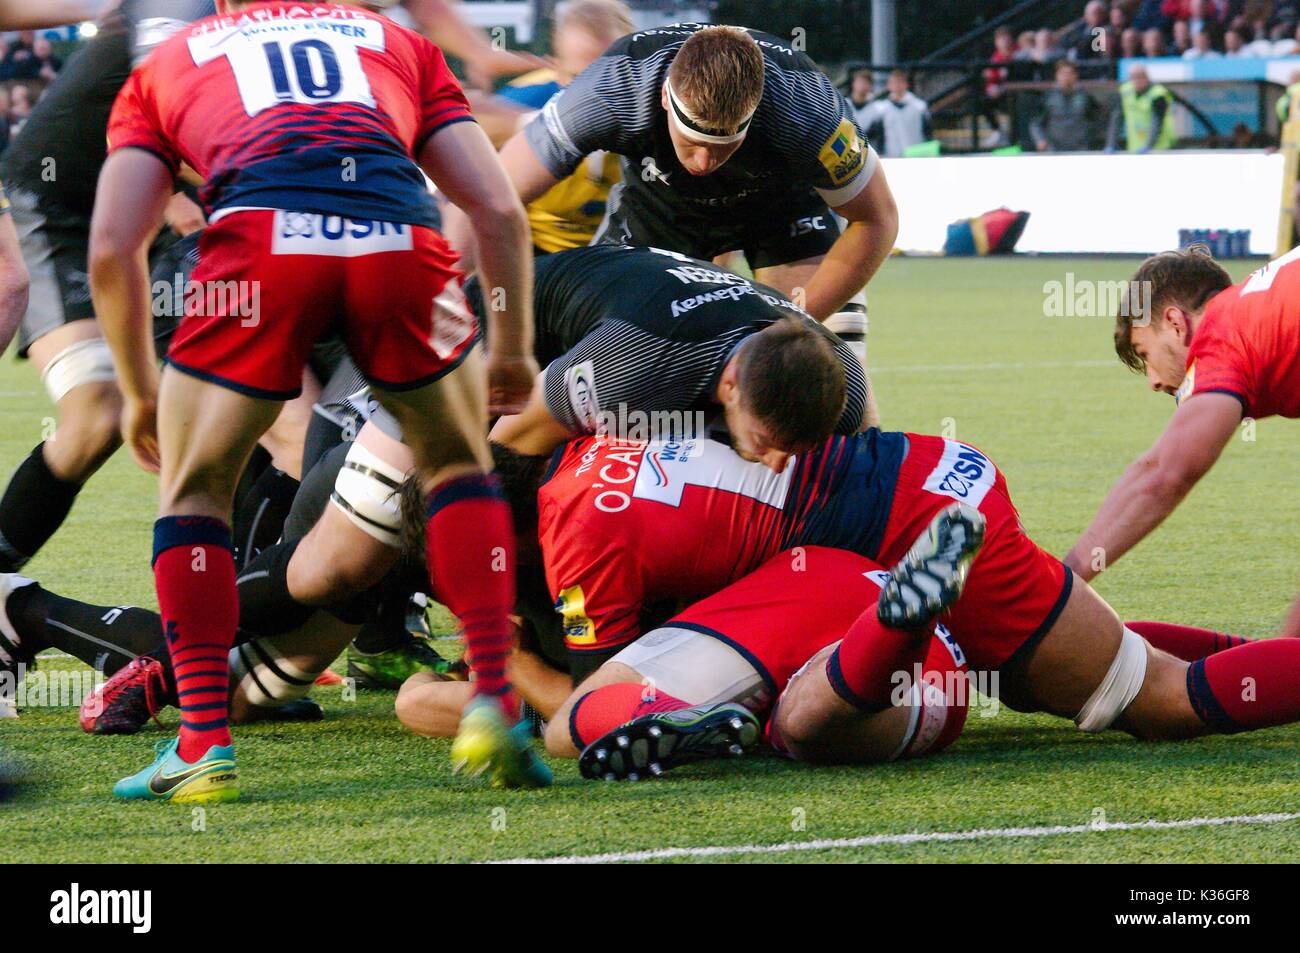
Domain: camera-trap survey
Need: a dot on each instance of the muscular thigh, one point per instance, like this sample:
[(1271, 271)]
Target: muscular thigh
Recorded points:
[(1060, 674)]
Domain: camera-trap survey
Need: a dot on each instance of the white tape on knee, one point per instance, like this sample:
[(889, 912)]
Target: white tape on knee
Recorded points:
[(86, 362), (1120, 686), (851, 325), (267, 678), (367, 491)]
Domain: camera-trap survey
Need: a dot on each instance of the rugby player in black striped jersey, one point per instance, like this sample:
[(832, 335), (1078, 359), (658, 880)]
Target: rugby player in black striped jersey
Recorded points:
[(731, 140)]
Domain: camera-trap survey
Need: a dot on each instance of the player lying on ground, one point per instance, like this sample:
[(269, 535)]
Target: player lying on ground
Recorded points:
[(1054, 645), (310, 249), (730, 140), (1225, 352), (757, 646)]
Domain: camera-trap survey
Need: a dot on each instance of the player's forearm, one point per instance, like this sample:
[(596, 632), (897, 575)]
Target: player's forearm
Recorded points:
[(852, 261), (120, 288), (38, 14), (1134, 507), (505, 264), (442, 23)]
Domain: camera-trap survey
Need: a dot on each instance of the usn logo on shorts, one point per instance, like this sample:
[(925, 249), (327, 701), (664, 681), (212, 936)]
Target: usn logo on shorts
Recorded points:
[(306, 233), (962, 473)]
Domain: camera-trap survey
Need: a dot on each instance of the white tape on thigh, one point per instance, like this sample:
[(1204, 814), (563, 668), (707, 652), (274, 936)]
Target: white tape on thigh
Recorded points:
[(1120, 686), (694, 667), (845, 323), (86, 362), (851, 325), (267, 678), (367, 491)]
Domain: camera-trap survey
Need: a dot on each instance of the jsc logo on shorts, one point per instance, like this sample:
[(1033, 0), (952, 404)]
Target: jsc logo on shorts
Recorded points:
[(307, 233), (962, 473)]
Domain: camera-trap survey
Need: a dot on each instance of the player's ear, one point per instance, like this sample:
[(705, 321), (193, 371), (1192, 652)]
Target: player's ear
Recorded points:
[(663, 95), (729, 385), (1176, 318)]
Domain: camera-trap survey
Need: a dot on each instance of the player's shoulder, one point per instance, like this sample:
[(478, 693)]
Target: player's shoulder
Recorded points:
[(654, 41)]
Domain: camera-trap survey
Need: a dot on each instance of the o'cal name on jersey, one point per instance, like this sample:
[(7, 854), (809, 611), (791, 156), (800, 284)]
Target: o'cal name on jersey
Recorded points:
[(660, 470)]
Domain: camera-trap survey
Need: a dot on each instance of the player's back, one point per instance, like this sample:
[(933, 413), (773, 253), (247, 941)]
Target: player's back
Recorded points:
[(314, 108), (1248, 341), (665, 294), (634, 522)]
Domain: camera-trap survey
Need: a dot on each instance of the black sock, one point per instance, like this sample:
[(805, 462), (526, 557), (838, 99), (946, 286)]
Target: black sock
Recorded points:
[(265, 606), (104, 637), (34, 506), (259, 515)]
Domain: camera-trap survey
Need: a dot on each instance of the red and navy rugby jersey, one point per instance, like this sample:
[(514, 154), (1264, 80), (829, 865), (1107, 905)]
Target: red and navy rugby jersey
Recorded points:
[(305, 107), (1247, 343), (625, 525)]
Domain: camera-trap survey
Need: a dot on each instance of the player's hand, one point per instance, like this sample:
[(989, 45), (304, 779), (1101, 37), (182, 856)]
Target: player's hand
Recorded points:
[(510, 382), (182, 216), (140, 431)]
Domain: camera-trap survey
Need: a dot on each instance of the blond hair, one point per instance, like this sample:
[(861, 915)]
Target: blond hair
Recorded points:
[(605, 20), (718, 74)]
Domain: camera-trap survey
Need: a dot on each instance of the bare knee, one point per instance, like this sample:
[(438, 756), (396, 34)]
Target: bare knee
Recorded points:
[(556, 738), (430, 706), (88, 432)]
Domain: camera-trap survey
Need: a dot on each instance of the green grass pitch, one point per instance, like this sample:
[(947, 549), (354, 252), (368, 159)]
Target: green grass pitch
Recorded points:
[(957, 346)]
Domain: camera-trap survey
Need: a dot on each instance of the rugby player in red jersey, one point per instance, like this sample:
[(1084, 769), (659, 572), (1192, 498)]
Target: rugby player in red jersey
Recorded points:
[(306, 123), (1054, 643), (1226, 353)]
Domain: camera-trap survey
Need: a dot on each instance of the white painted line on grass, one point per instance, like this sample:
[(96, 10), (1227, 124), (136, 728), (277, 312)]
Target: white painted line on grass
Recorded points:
[(925, 837), (990, 366)]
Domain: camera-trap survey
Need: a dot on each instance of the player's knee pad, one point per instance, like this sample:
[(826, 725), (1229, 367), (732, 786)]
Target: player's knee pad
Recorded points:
[(86, 362), (696, 668), (1120, 686), (268, 679), (368, 492)]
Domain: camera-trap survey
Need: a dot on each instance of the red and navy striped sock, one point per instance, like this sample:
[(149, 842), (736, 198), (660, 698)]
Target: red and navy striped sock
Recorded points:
[(1256, 685), (603, 709), (470, 543), (1186, 642), (872, 661), (194, 572)]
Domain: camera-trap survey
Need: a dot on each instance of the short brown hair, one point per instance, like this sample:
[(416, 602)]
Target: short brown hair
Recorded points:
[(792, 379), (1185, 279), (718, 72), (605, 20)]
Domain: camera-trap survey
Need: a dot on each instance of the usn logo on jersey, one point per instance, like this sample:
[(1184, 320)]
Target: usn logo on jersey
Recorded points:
[(306, 233), (962, 473)]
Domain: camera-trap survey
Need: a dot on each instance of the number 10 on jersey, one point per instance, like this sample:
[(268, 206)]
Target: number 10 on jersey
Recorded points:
[(317, 61)]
